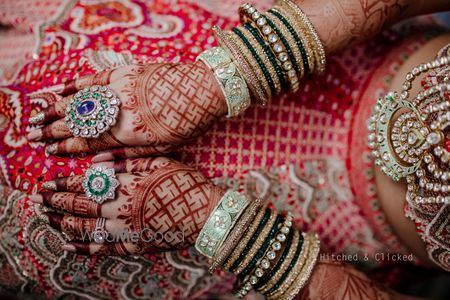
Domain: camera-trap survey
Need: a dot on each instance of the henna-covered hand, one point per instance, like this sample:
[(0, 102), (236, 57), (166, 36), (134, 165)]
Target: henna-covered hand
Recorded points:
[(160, 204), (163, 105)]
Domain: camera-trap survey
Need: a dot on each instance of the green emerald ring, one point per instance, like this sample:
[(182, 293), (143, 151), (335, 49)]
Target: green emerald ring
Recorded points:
[(100, 184), (92, 111)]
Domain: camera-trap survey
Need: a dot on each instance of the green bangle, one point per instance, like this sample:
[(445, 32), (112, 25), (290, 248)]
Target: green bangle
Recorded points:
[(285, 44), (269, 55), (288, 270), (256, 56), (263, 248), (252, 240), (280, 261), (220, 222), (297, 39)]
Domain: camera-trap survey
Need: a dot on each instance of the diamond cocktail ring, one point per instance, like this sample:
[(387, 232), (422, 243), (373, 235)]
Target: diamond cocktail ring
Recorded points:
[(100, 184), (92, 111), (100, 234)]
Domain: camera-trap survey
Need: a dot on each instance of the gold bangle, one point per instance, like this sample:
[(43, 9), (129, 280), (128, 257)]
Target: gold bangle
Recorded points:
[(295, 51), (250, 15), (236, 233), (307, 269), (301, 31), (268, 257), (295, 271), (258, 243), (283, 267), (245, 239), (260, 52), (250, 76), (262, 82), (319, 48)]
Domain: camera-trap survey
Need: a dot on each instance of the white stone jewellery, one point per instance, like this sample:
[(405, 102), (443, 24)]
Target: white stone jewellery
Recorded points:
[(100, 184), (92, 111), (410, 137)]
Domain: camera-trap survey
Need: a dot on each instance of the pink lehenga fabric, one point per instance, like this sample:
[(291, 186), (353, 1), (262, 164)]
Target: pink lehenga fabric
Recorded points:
[(307, 151)]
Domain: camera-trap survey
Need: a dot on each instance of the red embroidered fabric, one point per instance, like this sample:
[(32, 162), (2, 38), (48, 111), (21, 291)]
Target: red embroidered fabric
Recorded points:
[(307, 151)]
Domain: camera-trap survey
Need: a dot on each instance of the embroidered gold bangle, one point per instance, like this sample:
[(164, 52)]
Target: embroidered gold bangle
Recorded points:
[(296, 269), (318, 47), (233, 85), (306, 271), (245, 239), (269, 256), (243, 63), (260, 51), (284, 266), (236, 233), (300, 30), (262, 82), (273, 40), (257, 245), (220, 222)]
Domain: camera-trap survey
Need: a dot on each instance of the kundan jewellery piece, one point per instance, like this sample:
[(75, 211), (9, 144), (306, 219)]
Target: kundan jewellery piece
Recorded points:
[(410, 137), (92, 111), (100, 184), (100, 234)]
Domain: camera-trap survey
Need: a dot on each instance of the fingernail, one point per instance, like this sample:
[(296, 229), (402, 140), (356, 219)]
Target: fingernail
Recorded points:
[(49, 185), (105, 156), (51, 149), (37, 118), (69, 247), (36, 199), (35, 135), (59, 88)]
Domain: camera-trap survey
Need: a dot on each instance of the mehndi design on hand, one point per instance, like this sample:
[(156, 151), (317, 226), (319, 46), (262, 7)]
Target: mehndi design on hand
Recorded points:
[(162, 106)]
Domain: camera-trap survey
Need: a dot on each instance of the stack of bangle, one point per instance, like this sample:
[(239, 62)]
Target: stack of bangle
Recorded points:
[(272, 52), (263, 250)]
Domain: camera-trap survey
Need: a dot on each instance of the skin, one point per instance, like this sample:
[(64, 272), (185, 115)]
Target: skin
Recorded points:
[(391, 194), (155, 196), (162, 106), (338, 23)]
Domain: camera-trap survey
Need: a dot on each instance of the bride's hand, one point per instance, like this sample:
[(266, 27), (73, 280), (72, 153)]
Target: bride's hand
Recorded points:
[(160, 204), (162, 106)]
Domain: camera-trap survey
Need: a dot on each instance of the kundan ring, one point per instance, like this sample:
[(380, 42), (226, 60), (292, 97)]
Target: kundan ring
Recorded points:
[(92, 111), (100, 184)]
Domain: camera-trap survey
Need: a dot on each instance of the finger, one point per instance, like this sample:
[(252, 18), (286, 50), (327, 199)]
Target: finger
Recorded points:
[(131, 152), (102, 249), (75, 145), (56, 130), (73, 86), (135, 165), (51, 113), (79, 228), (72, 203), (72, 184)]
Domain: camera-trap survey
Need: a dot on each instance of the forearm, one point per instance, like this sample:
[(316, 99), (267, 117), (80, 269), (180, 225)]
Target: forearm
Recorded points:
[(342, 23), (332, 280)]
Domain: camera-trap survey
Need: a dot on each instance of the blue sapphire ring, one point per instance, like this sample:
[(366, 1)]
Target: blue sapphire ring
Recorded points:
[(92, 111)]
